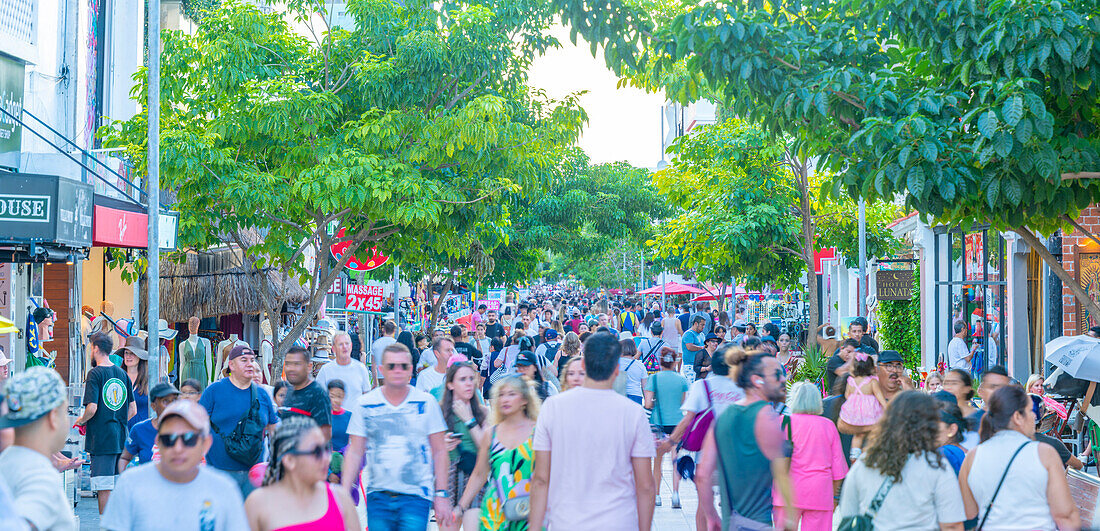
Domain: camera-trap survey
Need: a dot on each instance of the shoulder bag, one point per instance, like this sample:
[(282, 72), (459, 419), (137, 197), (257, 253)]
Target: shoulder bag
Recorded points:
[(245, 443), (999, 483), (697, 431), (516, 508), (866, 521)]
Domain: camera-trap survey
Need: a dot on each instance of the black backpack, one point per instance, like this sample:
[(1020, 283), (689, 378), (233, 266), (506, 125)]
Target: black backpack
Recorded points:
[(245, 443)]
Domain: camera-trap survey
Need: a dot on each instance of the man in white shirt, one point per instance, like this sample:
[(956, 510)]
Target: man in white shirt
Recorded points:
[(958, 355), (389, 330), (354, 374), (443, 348), (37, 409)]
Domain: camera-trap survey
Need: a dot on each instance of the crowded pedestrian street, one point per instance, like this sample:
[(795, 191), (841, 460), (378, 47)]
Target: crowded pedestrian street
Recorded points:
[(374, 265)]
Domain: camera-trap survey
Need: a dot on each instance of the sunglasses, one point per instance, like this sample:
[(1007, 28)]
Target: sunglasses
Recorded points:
[(168, 440), (402, 366), (317, 452)]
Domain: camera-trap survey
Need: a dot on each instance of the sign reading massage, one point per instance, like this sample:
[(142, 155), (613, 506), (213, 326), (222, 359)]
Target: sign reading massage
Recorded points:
[(26, 208)]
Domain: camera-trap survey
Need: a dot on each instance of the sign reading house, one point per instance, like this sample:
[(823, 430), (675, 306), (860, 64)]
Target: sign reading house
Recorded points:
[(25, 207), (894, 285)]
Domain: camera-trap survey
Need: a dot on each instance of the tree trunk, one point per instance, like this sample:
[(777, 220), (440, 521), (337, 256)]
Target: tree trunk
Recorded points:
[(438, 304), (1055, 266), (808, 230)]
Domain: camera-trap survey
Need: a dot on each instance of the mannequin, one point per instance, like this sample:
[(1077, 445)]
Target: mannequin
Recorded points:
[(102, 324), (267, 349), (223, 351), (195, 355)]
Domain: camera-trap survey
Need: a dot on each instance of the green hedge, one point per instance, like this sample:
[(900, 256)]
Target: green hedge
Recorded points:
[(900, 325)]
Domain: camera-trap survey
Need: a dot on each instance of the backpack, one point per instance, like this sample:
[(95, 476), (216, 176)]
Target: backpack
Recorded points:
[(245, 443), (620, 381), (547, 365), (629, 320), (692, 440), (651, 360)]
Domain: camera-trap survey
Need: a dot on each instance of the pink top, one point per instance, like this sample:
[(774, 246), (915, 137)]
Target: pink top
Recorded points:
[(591, 435), (332, 519), (817, 461)]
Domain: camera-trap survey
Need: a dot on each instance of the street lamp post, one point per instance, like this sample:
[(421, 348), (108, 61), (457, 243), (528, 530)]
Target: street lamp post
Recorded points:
[(153, 184)]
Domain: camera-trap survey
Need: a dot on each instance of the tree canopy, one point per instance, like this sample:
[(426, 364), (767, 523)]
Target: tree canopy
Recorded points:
[(406, 130)]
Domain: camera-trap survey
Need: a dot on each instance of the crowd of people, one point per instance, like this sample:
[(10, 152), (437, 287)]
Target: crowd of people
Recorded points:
[(557, 413)]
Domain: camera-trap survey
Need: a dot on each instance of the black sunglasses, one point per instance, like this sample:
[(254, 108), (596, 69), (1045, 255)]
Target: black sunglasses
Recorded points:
[(317, 452), (168, 440), (402, 366)]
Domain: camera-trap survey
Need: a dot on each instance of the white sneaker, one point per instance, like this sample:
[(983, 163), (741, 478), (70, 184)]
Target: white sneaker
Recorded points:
[(658, 503), (675, 500)]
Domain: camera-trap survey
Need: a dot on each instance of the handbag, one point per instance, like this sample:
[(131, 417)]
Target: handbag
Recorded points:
[(697, 431), (999, 483), (515, 509), (866, 521)]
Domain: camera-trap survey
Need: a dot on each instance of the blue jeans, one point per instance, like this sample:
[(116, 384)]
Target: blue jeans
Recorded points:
[(389, 511)]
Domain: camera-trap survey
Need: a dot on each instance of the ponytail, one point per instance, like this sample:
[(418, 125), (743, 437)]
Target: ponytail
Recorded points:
[(1000, 408)]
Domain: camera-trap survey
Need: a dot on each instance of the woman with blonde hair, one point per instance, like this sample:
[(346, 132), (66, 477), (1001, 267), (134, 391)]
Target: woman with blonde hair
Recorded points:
[(505, 459), (572, 374), (294, 492), (570, 348)]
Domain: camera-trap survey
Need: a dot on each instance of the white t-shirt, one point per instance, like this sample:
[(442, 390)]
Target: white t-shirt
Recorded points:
[(723, 392), (398, 457), (355, 375), (143, 499), (37, 492), (429, 379), (592, 434), (957, 353), (924, 498), (635, 373), (427, 359), (376, 349)]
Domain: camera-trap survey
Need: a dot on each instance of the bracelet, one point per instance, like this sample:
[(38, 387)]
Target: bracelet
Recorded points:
[(471, 423)]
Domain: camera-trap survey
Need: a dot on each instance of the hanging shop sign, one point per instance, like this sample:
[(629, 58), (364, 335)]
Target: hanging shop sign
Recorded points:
[(364, 298), (45, 210), (894, 285), (340, 248), (12, 73)]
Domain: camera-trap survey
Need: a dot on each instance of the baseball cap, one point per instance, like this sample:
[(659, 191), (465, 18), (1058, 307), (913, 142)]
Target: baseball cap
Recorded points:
[(4, 360), (739, 324), (190, 412), (551, 334), (162, 390), (238, 351), (887, 356), (525, 358), (30, 395)]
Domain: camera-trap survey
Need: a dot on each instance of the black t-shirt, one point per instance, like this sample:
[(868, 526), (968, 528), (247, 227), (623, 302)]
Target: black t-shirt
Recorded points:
[(869, 341), (110, 389), (831, 410), (835, 362), (310, 401), (702, 364), (1060, 447), (494, 330), (471, 352)]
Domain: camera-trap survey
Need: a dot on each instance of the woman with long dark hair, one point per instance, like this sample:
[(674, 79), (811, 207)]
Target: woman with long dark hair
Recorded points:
[(465, 416), (294, 492), (136, 363), (1011, 481), (961, 386), (902, 472)]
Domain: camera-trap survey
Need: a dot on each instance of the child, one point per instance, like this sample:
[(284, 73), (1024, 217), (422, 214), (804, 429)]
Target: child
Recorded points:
[(863, 401)]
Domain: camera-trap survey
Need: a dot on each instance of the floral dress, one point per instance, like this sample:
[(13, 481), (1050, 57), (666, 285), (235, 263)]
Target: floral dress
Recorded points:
[(510, 476)]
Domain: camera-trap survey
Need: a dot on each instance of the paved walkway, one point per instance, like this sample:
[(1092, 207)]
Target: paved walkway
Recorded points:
[(665, 518)]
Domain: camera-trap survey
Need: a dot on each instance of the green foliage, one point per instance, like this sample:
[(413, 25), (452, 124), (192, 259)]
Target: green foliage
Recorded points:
[(900, 325), (197, 9), (812, 366), (617, 268), (409, 131)]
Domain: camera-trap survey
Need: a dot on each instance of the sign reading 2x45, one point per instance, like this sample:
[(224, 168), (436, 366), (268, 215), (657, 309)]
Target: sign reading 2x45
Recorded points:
[(25, 208)]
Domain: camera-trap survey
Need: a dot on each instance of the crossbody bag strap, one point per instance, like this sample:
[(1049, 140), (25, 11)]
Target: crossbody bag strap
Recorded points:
[(706, 387), (880, 496), (999, 484)]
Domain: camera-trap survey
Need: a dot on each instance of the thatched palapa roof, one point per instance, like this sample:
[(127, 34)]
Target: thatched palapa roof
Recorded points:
[(211, 284)]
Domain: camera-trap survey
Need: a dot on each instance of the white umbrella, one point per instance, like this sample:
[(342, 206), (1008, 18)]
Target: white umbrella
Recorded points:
[(1079, 356)]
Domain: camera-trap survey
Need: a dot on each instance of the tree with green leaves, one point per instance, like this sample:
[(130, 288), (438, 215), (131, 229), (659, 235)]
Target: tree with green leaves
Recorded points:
[(748, 215), (975, 111), (405, 131)]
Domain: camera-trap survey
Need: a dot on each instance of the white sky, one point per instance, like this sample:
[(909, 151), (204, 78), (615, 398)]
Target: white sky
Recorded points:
[(623, 124)]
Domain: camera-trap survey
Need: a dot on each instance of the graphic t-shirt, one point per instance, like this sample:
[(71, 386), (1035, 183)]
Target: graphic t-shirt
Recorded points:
[(723, 392), (143, 499), (310, 401), (109, 388), (227, 404), (471, 352), (398, 456)]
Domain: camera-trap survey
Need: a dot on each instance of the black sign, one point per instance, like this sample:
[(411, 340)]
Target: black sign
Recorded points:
[(894, 285), (45, 209)]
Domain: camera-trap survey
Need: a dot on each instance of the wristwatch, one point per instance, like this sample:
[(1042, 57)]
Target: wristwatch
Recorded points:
[(442, 493), (471, 423)]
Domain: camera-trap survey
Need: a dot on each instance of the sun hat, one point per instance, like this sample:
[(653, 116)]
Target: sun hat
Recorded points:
[(30, 395), (137, 346)]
